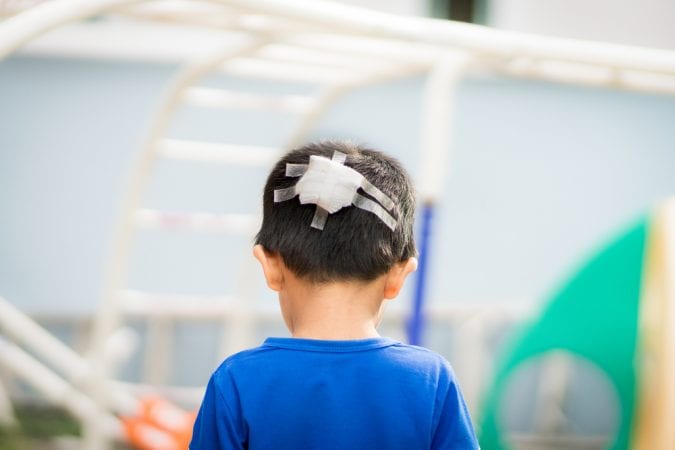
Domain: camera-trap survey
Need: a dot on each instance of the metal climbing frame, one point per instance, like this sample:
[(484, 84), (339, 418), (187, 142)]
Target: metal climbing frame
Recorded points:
[(337, 49)]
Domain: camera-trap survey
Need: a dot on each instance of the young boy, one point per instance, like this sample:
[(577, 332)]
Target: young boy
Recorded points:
[(336, 242)]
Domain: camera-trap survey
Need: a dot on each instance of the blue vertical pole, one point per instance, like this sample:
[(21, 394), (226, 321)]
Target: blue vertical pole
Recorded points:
[(416, 323)]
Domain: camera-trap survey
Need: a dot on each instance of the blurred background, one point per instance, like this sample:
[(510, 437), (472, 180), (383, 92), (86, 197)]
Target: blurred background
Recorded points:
[(537, 176)]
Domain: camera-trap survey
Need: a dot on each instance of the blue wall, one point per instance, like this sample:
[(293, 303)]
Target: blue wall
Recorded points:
[(538, 173)]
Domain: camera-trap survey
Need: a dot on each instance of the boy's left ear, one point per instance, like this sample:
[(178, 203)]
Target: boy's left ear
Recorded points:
[(396, 277)]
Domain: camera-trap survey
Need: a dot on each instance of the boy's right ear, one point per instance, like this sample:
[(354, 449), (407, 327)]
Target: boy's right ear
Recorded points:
[(271, 266)]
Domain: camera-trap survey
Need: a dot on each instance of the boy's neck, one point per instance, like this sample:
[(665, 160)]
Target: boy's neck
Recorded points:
[(332, 311)]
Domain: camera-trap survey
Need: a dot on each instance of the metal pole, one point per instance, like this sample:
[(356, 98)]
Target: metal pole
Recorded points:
[(439, 93)]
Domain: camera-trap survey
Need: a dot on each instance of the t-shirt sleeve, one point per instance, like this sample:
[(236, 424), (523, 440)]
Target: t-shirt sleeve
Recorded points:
[(453, 425), (219, 424)]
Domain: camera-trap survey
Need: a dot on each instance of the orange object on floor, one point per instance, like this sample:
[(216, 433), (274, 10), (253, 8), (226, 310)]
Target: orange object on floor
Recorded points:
[(159, 425)]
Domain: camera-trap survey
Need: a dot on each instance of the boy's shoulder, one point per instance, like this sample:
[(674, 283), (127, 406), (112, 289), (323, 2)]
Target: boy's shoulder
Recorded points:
[(244, 357), (424, 358)]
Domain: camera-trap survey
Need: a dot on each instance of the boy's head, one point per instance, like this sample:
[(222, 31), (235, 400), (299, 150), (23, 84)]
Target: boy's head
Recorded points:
[(354, 244)]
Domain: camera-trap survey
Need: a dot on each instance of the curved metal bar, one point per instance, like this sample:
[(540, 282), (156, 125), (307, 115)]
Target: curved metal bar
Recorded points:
[(108, 314), (38, 20), (475, 38)]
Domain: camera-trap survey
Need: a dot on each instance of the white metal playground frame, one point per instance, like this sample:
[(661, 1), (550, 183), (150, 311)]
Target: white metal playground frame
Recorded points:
[(341, 49)]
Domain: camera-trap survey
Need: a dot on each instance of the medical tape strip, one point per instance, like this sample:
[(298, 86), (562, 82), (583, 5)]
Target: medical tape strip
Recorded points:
[(377, 194), (339, 157), (361, 202), (281, 195), (319, 219), (369, 205), (296, 170)]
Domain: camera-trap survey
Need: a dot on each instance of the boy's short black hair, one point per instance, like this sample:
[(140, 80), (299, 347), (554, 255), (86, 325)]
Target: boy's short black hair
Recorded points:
[(354, 244)]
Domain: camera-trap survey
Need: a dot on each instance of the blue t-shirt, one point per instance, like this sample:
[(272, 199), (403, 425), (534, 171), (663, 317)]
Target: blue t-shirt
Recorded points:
[(297, 394)]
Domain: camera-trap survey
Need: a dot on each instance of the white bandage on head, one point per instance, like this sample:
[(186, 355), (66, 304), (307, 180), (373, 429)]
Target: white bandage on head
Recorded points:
[(331, 186)]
